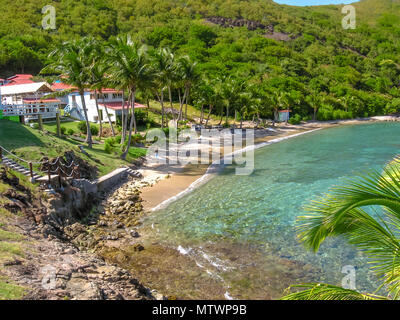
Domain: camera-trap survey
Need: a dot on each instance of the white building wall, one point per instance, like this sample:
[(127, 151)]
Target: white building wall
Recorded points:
[(91, 106)]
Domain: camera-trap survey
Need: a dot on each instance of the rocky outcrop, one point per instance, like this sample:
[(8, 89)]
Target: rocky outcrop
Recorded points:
[(64, 242), (249, 24)]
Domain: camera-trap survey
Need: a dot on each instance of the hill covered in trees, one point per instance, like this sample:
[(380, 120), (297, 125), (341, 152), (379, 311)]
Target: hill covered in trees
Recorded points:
[(302, 51)]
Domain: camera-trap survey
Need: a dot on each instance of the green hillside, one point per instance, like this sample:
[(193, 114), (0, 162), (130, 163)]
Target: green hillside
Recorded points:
[(357, 71)]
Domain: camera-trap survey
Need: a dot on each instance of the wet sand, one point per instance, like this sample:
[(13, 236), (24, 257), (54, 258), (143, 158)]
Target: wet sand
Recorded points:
[(171, 185)]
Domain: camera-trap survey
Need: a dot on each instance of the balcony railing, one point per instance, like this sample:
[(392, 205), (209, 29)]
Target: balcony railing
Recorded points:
[(30, 109)]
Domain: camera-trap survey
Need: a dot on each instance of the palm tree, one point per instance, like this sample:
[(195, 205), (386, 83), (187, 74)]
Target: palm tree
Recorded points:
[(100, 81), (314, 100), (342, 212), (71, 62), (131, 68), (163, 67), (97, 71), (188, 74)]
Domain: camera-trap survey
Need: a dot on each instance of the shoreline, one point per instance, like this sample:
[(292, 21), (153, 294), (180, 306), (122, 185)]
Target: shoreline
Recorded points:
[(165, 184)]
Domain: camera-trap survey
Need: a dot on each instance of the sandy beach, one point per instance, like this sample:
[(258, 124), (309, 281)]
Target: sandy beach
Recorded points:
[(161, 182)]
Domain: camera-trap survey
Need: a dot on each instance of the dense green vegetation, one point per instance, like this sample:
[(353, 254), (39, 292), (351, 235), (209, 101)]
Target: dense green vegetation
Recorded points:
[(351, 72)]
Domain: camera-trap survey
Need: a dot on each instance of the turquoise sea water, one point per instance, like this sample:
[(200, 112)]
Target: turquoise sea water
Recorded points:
[(260, 210)]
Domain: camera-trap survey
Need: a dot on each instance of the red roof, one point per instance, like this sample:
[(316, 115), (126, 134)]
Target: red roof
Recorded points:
[(19, 79), (118, 105), (283, 111), (108, 90), (61, 86)]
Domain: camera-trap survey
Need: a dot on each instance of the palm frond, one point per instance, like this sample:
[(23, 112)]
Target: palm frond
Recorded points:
[(320, 291)]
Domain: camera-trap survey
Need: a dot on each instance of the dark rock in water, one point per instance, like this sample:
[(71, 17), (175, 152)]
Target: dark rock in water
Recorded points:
[(134, 234), (138, 247)]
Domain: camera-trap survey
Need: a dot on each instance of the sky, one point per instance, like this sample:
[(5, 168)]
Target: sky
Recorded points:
[(313, 2)]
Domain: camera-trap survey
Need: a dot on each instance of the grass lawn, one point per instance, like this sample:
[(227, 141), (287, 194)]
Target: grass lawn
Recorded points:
[(10, 291), (31, 144), (70, 124), (192, 112)]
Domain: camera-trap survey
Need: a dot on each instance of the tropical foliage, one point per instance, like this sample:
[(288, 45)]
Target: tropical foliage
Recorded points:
[(348, 211), (356, 71)]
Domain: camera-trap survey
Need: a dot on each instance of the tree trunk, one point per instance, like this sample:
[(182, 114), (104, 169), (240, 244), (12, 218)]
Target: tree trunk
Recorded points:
[(148, 107), (132, 123), (170, 102), (161, 99), (181, 103), (98, 114), (227, 114), (133, 113), (222, 116), (202, 114), (315, 114), (241, 120), (186, 105), (123, 120), (88, 132), (109, 119), (209, 114)]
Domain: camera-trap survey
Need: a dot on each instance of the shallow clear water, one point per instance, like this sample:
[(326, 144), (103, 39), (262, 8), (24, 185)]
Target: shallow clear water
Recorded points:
[(260, 210)]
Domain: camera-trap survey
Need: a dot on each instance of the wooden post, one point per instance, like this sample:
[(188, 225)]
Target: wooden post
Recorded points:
[(48, 171), (1, 154), (31, 169), (40, 122), (58, 124), (59, 176)]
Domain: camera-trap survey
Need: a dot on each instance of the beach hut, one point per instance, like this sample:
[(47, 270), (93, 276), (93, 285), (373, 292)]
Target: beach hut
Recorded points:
[(284, 115)]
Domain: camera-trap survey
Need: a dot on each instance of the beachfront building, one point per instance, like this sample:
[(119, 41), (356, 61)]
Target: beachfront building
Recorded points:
[(27, 99), (109, 100), (284, 115), (18, 79)]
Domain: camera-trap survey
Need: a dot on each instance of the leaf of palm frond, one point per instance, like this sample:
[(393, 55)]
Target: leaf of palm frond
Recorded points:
[(320, 291), (329, 212), (340, 213)]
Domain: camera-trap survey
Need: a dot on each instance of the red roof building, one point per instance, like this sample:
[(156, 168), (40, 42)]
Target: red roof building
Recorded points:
[(118, 105), (59, 86), (19, 79)]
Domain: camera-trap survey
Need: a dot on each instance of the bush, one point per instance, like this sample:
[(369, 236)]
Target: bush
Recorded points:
[(296, 119), (141, 117), (35, 126), (94, 130), (109, 145), (70, 132), (82, 126), (63, 130), (118, 139), (137, 138), (325, 113), (166, 131)]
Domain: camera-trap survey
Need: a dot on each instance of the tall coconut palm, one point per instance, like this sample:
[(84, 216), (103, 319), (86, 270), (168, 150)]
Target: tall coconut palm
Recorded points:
[(188, 74), (71, 62), (131, 67), (100, 81), (96, 71), (164, 70), (343, 212)]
